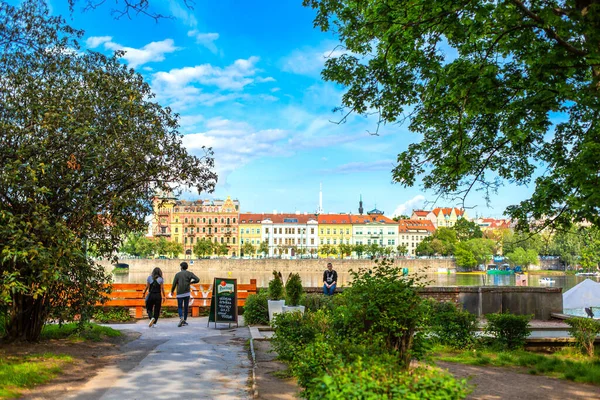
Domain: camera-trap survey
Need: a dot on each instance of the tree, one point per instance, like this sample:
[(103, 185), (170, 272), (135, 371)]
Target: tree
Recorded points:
[(345, 249), (464, 256), (522, 257), (326, 249), (402, 249), (524, 240), (138, 245), (248, 249), (466, 230), (83, 151), (203, 247), (425, 247), (373, 249), (173, 249), (263, 247), (360, 249), (401, 216), (486, 113), (482, 249), (221, 249)]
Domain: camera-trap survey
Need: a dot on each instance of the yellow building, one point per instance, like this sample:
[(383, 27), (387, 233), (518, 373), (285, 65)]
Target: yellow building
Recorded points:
[(250, 232), (334, 229)]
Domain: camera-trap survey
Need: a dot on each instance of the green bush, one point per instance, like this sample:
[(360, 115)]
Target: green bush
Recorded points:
[(106, 315), (316, 301), (293, 290), (451, 326), (256, 310), (315, 359), (584, 330), (276, 287), (510, 330), (293, 331), (382, 305), (379, 377)]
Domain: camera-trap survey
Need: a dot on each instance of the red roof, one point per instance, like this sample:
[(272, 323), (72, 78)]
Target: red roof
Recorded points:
[(421, 213), (334, 219), (408, 225)]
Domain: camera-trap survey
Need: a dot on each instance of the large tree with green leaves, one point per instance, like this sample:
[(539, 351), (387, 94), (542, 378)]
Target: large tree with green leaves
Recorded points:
[(467, 230), (499, 90), (83, 151), (138, 245)]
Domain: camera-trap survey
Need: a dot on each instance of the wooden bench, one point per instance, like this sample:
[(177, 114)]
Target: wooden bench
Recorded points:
[(130, 295)]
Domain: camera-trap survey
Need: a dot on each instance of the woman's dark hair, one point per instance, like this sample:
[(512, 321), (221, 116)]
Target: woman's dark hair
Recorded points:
[(156, 273)]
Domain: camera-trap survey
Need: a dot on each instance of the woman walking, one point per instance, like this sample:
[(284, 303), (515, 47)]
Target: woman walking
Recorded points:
[(156, 295)]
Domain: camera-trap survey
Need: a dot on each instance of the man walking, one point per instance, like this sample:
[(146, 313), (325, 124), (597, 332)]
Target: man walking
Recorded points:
[(182, 281), (329, 280)]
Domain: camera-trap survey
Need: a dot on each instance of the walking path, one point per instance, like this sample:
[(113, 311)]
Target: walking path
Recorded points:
[(166, 362)]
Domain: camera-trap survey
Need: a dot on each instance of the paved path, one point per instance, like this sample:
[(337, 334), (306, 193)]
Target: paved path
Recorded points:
[(166, 362)]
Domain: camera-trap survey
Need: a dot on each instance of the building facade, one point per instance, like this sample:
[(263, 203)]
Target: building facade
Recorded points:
[(334, 229), (411, 232), (369, 229)]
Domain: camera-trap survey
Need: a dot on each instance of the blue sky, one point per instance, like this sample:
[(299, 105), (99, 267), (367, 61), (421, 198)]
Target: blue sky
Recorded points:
[(244, 76)]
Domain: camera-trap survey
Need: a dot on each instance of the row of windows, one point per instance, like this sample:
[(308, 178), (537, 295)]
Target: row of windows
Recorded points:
[(210, 220), (289, 231), (335, 241), (257, 241), (292, 241), (335, 231), (216, 239)]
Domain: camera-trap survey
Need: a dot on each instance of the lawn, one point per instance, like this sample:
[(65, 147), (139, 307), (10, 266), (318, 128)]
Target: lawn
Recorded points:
[(568, 363)]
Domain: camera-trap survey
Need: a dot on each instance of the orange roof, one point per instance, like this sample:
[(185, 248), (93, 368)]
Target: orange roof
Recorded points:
[(334, 219), (448, 211), (407, 225), (369, 219), (421, 213)]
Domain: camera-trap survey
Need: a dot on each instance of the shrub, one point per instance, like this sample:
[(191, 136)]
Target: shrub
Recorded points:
[(316, 301), (256, 310), (584, 330), (293, 290), (382, 305), (275, 291), (451, 326), (510, 330), (293, 331), (314, 360), (378, 377), (117, 314)]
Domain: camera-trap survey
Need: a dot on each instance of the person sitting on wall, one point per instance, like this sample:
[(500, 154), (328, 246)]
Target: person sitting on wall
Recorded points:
[(329, 280)]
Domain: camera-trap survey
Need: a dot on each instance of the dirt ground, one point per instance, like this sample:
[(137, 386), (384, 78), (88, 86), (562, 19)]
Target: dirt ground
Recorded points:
[(88, 359)]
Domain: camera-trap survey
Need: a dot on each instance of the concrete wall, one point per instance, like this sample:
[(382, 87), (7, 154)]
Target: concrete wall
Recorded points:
[(537, 301)]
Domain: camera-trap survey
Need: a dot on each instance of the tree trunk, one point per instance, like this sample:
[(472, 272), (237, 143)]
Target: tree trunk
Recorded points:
[(26, 318)]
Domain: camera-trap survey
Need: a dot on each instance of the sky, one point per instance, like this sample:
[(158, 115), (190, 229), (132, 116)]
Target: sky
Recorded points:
[(245, 78)]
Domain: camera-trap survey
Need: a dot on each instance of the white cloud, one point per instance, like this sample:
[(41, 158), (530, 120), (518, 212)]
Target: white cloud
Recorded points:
[(205, 39), (152, 52), (275, 89), (233, 77), (309, 60), (236, 143), (95, 41), (185, 15), (267, 79), (412, 204)]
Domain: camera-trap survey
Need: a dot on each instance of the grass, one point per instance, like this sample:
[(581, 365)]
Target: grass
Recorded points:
[(568, 363), (17, 373), (92, 332)]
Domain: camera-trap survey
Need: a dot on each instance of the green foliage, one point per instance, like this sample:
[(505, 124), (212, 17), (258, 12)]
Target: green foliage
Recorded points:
[(360, 249), (376, 377), (275, 291), (293, 290), (345, 249), (78, 332), (522, 257), (451, 326), (464, 257), (383, 305), (316, 301), (203, 247), (112, 314), (467, 230), (510, 330), (138, 245), (585, 331), (293, 331), (83, 151), (327, 249), (474, 252), (26, 372), (248, 249), (263, 247), (486, 109), (256, 310), (442, 242)]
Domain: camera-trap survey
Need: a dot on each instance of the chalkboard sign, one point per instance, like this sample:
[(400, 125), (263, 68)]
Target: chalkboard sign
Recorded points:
[(223, 304)]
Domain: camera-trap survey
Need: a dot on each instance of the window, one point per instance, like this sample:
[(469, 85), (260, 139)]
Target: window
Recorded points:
[(328, 230), (242, 241), (321, 231), (334, 241), (185, 230), (227, 221), (334, 231), (234, 220), (228, 240), (321, 241), (312, 231), (198, 220), (328, 241), (176, 230), (233, 240), (222, 240), (186, 220), (267, 230), (185, 240), (203, 220), (369, 241), (347, 231), (312, 240)]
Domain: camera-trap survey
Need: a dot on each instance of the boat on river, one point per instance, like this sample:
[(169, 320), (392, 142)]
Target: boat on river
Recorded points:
[(587, 274), (493, 269), (547, 280)]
